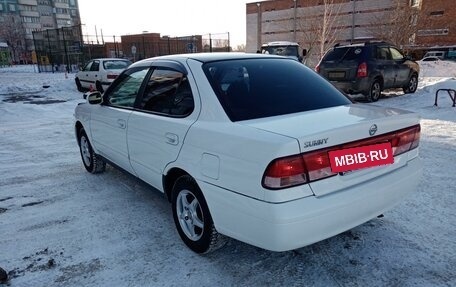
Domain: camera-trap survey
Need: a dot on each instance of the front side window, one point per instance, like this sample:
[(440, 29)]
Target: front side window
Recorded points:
[(259, 88), (124, 91), (168, 92), (87, 66), (396, 55)]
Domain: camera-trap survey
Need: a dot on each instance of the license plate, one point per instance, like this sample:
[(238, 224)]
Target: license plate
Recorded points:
[(361, 157), (336, 75)]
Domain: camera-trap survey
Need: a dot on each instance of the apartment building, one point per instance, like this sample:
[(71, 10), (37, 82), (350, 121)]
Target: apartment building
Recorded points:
[(37, 15), (350, 20)]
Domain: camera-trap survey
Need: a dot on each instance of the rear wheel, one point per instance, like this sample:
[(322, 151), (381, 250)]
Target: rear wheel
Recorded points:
[(192, 217), (93, 163), (412, 85), (375, 91)]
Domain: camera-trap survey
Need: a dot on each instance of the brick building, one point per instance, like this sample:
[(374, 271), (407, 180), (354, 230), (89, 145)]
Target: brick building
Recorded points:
[(291, 20), (437, 24), (146, 45)]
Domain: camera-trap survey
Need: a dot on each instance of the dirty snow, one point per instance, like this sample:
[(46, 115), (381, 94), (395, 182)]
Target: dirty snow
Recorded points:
[(60, 226)]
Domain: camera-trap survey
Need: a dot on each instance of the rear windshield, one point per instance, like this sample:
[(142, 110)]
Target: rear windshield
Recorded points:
[(343, 54), (116, 64), (259, 88), (281, 50)]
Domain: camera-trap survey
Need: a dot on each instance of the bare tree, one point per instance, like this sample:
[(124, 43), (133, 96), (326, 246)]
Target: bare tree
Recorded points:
[(398, 25), (318, 32), (12, 32), (239, 48)]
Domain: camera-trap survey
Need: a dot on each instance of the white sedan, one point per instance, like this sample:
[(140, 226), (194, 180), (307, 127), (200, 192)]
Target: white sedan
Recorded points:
[(98, 74), (255, 147)]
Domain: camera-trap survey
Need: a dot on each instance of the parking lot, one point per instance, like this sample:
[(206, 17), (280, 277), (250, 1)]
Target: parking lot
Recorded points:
[(61, 226)]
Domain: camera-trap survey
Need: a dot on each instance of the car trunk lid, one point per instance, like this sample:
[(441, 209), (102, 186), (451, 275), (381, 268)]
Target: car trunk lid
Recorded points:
[(333, 127)]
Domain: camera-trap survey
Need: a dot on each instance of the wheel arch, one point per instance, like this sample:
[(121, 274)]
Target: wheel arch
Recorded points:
[(77, 129), (170, 178)]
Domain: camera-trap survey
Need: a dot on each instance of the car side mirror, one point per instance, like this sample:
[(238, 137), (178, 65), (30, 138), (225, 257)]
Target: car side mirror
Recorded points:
[(94, 98)]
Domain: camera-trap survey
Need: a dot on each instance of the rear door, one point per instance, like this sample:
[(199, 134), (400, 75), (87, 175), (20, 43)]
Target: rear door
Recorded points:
[(158, 126), (341, 64), (385, 66)]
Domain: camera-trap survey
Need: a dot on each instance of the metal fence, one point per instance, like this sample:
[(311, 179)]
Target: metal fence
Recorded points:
[(66, 49), (59, 49), (216, 42)]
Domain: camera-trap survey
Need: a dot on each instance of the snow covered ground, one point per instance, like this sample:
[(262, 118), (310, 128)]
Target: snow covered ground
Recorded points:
[(60, 226)]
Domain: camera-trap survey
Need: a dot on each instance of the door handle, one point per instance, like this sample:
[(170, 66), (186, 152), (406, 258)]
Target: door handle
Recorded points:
[(172, 139), (121, 123)]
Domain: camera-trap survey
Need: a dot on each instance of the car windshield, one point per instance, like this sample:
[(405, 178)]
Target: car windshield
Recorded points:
[(116, 64), (281, 50), (258, 88), (343, 54)]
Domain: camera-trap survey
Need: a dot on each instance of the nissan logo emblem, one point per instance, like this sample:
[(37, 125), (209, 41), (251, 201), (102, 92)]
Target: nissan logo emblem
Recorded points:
[(373, 129)]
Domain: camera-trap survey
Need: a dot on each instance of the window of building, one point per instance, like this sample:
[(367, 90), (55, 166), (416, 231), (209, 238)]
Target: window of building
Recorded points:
[(72, 3), (415, 3), (437, 13), (1, 7), (12, 7)]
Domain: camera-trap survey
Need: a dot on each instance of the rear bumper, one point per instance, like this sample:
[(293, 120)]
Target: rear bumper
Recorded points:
[(294, 224), (361, 85)]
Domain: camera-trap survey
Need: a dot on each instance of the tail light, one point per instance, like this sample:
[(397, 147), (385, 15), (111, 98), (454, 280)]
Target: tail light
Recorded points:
[(317, 68), (111, 76), (362, 70), (315, 165)]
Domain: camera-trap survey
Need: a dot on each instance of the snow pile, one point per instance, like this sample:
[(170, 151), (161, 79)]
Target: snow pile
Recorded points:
[(60, 226)]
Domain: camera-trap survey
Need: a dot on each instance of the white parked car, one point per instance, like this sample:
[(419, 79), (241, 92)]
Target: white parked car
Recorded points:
[(98, 74), (255, 147)]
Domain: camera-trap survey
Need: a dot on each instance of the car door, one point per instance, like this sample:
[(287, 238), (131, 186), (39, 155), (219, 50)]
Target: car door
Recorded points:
[(83, 75), (162, 117), (401, 68), (109, 121), (386, 66), (93, 74)]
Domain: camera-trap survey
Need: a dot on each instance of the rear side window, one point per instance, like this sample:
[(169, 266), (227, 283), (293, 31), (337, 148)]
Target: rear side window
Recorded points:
[(344, 54), (259, 88), (168, 92)]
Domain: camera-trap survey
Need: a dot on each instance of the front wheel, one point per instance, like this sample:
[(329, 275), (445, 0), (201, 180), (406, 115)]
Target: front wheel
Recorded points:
[(192, 217), (412, 85), (99, 87), (93, 163), (374, 92), (79, 85)]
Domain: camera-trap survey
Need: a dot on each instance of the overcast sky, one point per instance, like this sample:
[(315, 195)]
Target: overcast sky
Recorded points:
[(173, 18)]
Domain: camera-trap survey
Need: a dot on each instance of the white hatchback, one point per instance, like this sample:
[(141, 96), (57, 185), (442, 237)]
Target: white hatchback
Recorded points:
[(98, 74), (255, 147)]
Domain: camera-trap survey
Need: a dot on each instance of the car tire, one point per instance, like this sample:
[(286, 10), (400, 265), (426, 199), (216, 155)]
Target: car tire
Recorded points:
[(93, 163), (192, 217), (79, 85), (412, 85), (98, 86), (375, 91)]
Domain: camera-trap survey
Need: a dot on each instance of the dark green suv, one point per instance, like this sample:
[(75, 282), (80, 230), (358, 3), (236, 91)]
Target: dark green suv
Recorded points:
[(369, 69)]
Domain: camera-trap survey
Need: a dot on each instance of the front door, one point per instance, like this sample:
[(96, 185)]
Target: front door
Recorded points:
[(109, 121)]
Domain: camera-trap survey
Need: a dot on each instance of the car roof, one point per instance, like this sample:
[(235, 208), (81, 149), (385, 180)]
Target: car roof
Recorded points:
[(279, 43), (207, 57)]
